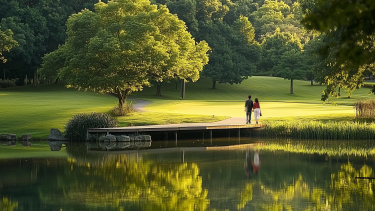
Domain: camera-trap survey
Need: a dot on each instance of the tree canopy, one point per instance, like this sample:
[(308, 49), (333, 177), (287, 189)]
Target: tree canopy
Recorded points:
[(350, 30), (38, 26), (123, 45)]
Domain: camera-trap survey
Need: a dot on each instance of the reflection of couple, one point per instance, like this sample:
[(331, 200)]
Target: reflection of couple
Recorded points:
[(252, 166)]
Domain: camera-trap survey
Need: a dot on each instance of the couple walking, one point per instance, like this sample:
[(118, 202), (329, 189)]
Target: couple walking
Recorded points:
[(252, 106)]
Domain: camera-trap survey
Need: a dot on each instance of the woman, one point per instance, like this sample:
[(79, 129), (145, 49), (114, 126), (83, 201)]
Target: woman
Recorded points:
[(256, 108)]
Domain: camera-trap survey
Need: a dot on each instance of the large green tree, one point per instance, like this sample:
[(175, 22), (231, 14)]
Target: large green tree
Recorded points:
[(233, 58), (282, 56), (350, 30), (124, 45)]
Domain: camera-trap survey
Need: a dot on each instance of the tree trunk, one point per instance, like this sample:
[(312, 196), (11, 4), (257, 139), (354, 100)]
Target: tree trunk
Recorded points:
[(121, 96), (291, 86), (339, 94), (35, 80), (121, 102), (182, 89), (213, 84), (158, 89), (312, 82), (4, 74)]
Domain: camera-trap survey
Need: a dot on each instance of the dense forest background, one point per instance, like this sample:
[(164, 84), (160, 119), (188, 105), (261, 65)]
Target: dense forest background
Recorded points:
[(246, 37)]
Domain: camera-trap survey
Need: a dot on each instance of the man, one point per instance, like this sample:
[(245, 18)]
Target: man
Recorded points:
[(248, 109)]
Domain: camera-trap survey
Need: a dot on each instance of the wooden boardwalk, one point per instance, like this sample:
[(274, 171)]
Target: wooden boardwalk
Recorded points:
[(176, 128)]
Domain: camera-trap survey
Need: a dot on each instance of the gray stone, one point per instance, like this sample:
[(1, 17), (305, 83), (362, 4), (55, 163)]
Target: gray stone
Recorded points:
[(122, 138), (26, 137), (55, 145), (109, 137), (56, 135), (12, 137)]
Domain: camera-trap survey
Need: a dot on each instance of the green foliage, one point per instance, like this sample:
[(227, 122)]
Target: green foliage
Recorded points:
[(244, 26), (76, 128), (38, 27), (319, 130), (7, 83), (283, 57), (121, 52), (6, 43), (349, 43), (233, 58)]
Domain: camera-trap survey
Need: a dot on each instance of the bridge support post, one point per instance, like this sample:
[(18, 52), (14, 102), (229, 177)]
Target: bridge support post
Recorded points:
[(183, 156)]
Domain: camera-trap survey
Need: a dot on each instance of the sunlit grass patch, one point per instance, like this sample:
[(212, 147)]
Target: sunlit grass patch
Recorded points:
[(236, 109), (36, 110), (157, 118)]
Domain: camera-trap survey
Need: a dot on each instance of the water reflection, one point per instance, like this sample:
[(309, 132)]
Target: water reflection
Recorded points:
[(117, 145), (8, 143), (248, 165), (205, 179)]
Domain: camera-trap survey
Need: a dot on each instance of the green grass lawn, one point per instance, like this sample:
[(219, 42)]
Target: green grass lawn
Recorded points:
[(273, 93), (37, 110)]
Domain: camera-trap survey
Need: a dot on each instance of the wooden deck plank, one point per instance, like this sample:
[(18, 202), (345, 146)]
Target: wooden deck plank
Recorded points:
[(173, 127)]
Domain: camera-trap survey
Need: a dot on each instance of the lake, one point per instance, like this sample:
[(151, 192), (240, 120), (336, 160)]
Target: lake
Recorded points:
[(190, 175)]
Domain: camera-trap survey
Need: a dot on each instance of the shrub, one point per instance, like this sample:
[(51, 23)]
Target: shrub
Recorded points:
[(127, 109), (76, 128), (7, 83)]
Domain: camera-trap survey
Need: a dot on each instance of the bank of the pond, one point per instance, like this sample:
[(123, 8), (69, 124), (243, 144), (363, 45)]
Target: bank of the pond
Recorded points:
[(333, 148), (343, 130)]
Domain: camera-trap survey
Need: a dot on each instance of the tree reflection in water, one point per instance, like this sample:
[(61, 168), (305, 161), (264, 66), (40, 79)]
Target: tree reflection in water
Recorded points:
[(7, 205), (293, 177), (123, 178)]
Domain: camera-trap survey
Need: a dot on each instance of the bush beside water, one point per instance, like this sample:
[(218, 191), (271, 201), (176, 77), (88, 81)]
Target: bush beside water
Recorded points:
[(319, 130), (76, 128), (7, 83)]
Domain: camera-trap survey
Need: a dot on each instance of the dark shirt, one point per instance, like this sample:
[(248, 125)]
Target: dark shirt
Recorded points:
[(249, 105)]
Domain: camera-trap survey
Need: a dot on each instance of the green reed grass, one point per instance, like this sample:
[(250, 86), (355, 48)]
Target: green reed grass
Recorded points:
[(319, 130), (321, 147)]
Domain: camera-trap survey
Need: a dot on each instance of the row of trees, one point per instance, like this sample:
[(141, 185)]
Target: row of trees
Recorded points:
[(241, 37), (37, 27), (247, 37)]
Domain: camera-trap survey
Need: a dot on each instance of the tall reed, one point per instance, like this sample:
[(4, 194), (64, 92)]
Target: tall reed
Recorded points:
[(319, 130), (365, 109)]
